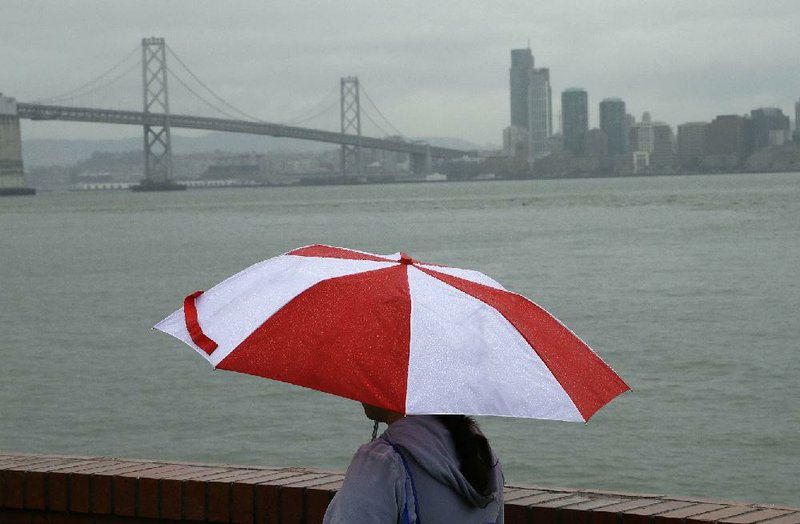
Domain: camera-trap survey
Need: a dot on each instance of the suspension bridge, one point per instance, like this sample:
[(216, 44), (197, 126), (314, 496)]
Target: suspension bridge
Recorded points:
[(157, 120)]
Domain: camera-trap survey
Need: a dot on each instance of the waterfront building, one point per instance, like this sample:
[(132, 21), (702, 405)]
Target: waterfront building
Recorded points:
[(519, 81), (797, 121), (641, 161), (691, 144), (597, 146), (630, 121), (515, 141), (555, 144), (540, 114), (531, 108), (238, 166), (640, 137), (770, 127), (515, 137), (613, 123), (574, 119), (651, 146), (663, 155), (729, 141)]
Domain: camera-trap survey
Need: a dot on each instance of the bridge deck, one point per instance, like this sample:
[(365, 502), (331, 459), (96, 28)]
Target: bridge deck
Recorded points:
[(113, 116)]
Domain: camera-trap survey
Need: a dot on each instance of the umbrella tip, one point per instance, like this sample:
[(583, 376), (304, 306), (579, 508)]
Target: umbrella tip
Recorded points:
[(405, 259)]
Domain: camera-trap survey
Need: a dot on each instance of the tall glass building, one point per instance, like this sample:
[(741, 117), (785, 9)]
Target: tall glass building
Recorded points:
[(574, 119), (520, 78), (613, 124), (540, 114), (531, 105)]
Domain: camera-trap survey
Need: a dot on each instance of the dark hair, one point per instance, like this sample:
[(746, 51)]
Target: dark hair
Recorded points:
[(472, 448)]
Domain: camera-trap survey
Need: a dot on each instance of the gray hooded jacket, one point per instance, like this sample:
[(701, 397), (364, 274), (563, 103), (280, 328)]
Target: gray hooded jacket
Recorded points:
[(376, 486)]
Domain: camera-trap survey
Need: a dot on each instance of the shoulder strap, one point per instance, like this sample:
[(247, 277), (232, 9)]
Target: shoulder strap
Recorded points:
[(405, 518)]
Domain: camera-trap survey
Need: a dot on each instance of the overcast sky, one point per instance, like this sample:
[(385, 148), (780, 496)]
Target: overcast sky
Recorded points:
[(433, 68)]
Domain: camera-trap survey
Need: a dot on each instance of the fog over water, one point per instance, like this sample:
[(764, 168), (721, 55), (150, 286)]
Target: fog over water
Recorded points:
[(687, 286)]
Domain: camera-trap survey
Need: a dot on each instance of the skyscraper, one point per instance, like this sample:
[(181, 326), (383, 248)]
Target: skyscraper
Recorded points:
[(540, 114), (612, 123), (520, 78), (531, 107), (575, 119)]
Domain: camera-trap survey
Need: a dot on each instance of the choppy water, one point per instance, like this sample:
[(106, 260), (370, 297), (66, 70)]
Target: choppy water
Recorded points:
[(688, 286)]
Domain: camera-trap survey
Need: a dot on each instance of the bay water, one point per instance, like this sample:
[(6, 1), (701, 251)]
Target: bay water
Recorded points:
[(688, 286)]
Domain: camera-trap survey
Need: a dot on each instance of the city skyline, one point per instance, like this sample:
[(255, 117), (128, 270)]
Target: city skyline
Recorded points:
[(683, 62)]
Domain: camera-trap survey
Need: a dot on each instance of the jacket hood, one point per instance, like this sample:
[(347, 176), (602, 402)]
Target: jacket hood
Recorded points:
[(428, 442)]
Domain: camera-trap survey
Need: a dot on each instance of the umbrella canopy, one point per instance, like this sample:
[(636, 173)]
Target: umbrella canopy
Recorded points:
[(396, 333)]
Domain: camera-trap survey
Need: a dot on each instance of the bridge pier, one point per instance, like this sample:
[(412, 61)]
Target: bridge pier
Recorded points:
[(12, 175), (421, 163)]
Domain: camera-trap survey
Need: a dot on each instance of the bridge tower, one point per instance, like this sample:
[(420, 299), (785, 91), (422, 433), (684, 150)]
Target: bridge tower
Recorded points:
[(12, 175), (351, 124), (157, 144)]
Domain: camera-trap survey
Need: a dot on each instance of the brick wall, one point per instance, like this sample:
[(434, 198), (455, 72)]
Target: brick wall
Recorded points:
[(81, 490)]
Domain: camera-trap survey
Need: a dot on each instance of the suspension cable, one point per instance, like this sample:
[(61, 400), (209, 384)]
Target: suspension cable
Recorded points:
[(215, 95), (200, 97), (100, 86), (303, 115), (382, 130), (379, 112), (313, 116), (71, 94)]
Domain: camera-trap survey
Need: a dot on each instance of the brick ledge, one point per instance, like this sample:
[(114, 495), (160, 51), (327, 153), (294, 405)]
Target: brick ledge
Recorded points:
[(75, 489)]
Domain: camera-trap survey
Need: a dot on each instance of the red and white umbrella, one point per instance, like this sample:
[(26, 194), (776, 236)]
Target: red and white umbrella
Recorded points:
[(396, 333)]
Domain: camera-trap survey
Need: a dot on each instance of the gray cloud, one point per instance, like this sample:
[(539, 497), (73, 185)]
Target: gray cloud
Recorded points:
[(433, 68)]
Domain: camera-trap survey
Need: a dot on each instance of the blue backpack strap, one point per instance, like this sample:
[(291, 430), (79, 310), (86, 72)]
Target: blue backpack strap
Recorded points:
[(404, 517)]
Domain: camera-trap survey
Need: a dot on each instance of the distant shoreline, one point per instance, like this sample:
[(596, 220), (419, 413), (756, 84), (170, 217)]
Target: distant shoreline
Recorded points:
[(339, 181)]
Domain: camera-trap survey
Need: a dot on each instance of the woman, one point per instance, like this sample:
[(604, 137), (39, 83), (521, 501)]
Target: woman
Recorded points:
[(432, 469)]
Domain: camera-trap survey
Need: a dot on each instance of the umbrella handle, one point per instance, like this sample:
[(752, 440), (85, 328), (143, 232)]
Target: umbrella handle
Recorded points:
[(375, 430), (193, 326)]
